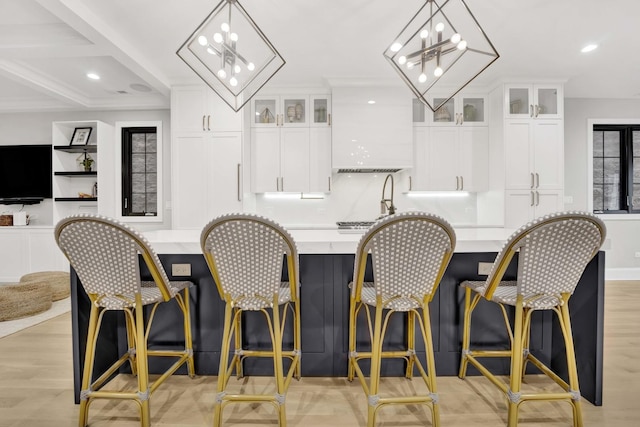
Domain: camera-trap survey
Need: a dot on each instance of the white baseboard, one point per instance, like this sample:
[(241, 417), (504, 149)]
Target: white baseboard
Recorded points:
[(622, 274)]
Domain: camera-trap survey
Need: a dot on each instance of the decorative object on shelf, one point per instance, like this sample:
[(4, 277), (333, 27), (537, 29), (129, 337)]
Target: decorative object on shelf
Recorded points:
[(321, 114), (231, 54), (442, 114), (6, 220), (85, 161), (291, 113), (266, 116), (469, 112), (81, 136), (441, 50), (299, 110)]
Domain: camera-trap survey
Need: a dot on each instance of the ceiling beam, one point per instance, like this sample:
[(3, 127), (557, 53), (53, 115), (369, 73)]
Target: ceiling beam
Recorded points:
[(79, 17)]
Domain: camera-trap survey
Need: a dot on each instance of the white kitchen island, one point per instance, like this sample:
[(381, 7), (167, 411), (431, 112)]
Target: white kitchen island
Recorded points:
[(326, 268)]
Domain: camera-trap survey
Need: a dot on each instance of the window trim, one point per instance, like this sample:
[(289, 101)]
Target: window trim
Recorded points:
[(118, 171), (603, 122)]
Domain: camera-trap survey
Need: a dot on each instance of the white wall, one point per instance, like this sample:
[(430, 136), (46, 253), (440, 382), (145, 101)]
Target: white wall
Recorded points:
[(35, 128), (623, 234)]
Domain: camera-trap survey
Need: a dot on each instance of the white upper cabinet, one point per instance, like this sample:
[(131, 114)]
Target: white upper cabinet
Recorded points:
[(451, 159), (534, 101), (371, 128), (320, 115), (461, 110), (276, 111), (196, 108)]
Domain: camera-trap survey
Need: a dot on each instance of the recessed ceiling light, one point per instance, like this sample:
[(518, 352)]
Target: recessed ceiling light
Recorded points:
[(93, 76), (589, 48), (371, 102)]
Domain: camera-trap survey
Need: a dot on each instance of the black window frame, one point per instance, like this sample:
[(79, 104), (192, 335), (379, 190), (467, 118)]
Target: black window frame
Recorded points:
[(626, 166), (127, 171)]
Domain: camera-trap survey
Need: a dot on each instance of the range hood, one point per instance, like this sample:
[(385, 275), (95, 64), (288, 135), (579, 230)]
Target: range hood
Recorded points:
[(369, 170), (371, 129)]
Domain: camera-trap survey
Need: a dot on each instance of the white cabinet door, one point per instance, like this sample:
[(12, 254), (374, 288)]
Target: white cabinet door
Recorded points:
[(451, 158), (224, 186), (534, 154), (522, 206), (320, 160), (473, 154), (199, 109), (189, 181), (44, 253), (534, 101), (265, 160), (294, 160), (205, 178), (443, 155)]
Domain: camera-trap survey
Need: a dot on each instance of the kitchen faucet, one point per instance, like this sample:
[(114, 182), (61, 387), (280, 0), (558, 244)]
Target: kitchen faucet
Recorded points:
[(383, 201)]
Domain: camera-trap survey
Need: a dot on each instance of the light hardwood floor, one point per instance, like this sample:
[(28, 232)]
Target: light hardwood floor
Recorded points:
[(36, 388)]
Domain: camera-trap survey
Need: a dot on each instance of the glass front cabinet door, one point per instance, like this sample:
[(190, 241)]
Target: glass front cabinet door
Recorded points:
[(286, 111), (535, 101), (320, 114)]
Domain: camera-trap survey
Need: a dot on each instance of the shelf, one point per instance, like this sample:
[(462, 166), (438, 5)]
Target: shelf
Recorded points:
[(76, 199), (77, 173), (77, 148), (21, 201)]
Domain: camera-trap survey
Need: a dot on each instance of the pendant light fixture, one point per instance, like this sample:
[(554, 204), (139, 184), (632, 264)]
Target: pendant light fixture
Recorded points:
[(231, 54), (440, 51)]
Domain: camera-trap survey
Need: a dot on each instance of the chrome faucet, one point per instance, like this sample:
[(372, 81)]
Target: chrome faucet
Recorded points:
[(383, 202)]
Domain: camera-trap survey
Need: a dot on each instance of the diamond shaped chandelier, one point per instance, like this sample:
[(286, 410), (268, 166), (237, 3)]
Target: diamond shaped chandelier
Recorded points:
[(231, 54), (440, 51)]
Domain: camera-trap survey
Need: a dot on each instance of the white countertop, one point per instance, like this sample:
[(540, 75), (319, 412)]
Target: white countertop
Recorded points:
[(327, 241)]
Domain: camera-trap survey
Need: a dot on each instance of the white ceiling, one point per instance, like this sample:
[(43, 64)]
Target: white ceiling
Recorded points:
[(48, 46)]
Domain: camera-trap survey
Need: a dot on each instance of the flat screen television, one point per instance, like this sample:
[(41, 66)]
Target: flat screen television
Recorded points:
[(25, 173)]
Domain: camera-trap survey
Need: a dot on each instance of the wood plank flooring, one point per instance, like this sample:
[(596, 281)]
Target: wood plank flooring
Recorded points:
[(36, 388)]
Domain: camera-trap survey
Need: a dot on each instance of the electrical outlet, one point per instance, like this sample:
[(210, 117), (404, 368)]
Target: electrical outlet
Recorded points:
[(181, 269), (484, 268)]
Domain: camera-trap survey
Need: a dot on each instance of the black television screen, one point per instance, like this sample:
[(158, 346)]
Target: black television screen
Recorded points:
[(25, 171)]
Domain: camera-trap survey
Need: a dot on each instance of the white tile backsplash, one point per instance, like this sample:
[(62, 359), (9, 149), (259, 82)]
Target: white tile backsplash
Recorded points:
[(356, 197)]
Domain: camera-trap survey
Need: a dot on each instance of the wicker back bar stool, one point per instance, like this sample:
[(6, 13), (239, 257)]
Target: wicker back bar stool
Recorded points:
[(553, 252), (105, 255), (245, 255), (410, 253)]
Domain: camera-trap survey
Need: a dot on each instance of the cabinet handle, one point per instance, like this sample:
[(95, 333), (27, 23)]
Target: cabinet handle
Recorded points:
[(530, 110), (461, 182), (532, 199), (537, 180), (537, 198), (532, 181), (277, 182), (329, 119), (329, 179), (208, 122), (238, 181), (410, 183), (203, 127), (537, 110), (457, 183)]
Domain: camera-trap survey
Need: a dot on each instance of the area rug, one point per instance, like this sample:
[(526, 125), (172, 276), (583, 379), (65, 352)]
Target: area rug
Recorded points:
[(9, 327)]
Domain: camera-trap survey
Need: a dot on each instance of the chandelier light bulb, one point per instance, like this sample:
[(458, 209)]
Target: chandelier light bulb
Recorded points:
[(456, 38), (422, 78), (222, 73), (236, 68), (402, 60), (233, 37), (462, 45), (395, 47), (224, 27), (233, 81), (437, 72), (251, 66), (439, 27), (217, 37), (424, 34), (202, 40)]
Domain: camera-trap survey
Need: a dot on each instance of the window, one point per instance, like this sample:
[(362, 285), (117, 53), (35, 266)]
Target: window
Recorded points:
[(139, 181), (616, 168)]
